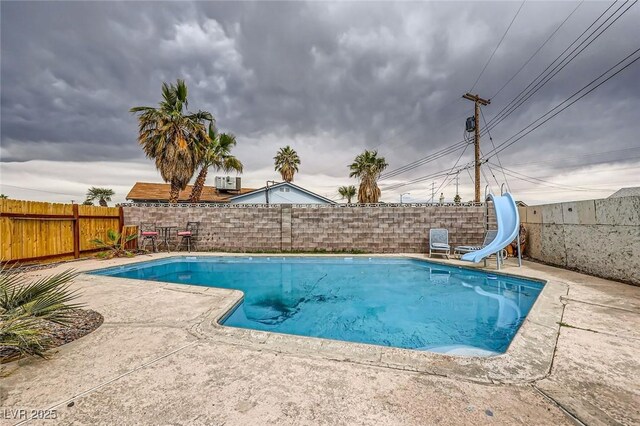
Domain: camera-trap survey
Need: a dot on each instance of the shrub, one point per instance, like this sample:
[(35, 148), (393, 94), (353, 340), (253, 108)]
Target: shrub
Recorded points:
[(25, 307), (114, 245)]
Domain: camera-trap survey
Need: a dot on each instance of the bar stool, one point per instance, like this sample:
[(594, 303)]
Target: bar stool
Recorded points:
[(189, 235), (148, 232)]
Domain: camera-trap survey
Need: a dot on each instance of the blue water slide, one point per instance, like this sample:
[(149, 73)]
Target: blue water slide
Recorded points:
[(508, 221)]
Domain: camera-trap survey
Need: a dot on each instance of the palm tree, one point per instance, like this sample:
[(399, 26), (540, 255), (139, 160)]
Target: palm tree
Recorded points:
[(347, 192), (217, 154), (287, 162), (101, 194), (173, 137), (3, 197), (367, 167)]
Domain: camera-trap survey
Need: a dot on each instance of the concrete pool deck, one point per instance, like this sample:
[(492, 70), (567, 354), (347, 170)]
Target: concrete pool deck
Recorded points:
[(157, 359)]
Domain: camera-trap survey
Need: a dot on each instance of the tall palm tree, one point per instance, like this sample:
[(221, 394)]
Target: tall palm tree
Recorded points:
[(347, 192), (287, 162), (367, 167), (173, 137), (217, 154), (103, 195)]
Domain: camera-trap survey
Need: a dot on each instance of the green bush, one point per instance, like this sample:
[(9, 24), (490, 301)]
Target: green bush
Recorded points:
[(114, 245), (25, 307)]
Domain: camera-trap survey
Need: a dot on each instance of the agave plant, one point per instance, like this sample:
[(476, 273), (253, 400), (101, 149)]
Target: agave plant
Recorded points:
[(26, 307), (114, 245)]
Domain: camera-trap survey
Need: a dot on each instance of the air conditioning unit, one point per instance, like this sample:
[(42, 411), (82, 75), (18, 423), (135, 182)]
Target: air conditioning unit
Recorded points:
[(228, 183)]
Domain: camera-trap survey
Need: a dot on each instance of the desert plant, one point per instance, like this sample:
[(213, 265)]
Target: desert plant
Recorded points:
[(347, 192), (217, 154), (367, 167), (286, 163), (26, 307), (114, 245), (173, 137), (103, 195)]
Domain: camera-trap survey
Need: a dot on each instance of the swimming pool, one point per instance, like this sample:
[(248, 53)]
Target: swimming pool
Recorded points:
[(397, 302)]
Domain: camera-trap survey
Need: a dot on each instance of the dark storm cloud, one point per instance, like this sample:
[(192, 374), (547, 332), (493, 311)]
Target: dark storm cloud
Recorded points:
[(333, 77)]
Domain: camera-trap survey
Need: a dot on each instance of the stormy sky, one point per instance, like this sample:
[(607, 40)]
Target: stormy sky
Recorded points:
[(329, 79)]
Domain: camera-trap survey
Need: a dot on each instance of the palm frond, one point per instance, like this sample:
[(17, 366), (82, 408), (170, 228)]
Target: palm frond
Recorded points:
[(174, 140), (24, 335), (16, 293), (25, 307)]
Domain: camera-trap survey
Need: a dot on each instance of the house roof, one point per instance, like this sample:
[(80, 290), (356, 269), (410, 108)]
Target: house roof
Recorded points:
[(144, 191), (278, 185), (626, 192)]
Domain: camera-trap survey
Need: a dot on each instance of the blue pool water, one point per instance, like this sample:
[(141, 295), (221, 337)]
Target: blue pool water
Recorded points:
[(396, 302)]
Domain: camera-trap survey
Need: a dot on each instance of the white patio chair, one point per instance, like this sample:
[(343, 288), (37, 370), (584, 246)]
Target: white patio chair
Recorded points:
[(439, 242)]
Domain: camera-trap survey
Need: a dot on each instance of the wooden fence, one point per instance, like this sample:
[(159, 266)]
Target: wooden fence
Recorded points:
[(36, 231)]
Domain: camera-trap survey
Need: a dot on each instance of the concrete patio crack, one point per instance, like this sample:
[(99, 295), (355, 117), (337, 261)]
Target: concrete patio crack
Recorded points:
[(602, 306), (559, 405)]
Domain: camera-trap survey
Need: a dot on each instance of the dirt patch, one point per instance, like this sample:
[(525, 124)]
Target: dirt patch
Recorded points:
[(82, 322)]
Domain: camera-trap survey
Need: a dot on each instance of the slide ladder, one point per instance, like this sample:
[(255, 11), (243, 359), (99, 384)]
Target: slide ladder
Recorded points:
[(508, 224)]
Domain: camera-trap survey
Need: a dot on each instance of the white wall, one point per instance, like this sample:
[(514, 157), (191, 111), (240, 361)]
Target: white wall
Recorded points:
[(599, 237)]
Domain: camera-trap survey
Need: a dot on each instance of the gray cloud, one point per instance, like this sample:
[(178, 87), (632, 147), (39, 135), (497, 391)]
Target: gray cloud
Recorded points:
[(329, 78)]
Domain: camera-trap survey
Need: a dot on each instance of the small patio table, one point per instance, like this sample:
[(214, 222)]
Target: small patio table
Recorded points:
[(165, 234)]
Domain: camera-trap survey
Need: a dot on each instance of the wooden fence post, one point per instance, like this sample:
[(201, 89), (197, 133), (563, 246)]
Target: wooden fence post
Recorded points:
[(120, 219), (76, 232)]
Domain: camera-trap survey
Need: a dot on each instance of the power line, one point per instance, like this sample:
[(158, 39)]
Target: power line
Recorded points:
[(498, 45), (517, 97), (539, 82), (572, 157), (537, 51), (486, 180), (492, 174), (595, 164), (454, 166), (501, 147), (417, 180), (424, 160), (39, 190), (494, 147), (528, 91), (539, 181)]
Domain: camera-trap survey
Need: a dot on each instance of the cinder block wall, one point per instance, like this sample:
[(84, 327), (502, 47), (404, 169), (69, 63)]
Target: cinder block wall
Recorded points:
[(221, 228), (598, 237), (384, 229), (374, 229)]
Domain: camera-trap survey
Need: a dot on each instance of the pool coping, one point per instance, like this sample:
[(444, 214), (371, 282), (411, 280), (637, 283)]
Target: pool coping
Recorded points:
[(527, 359)]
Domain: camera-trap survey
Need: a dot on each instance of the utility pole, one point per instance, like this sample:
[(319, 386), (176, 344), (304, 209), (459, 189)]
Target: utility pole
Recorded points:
[(477, 100), (457, 176), (433, 191)]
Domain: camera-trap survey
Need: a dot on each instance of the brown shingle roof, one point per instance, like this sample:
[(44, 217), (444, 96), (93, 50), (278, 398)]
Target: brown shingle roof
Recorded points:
[(159, 192)]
